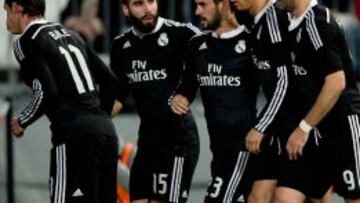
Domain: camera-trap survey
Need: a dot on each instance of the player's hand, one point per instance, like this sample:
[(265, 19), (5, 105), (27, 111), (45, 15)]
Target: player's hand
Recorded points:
[(17, 130), (296, 143), (253, 141), (179, 104)]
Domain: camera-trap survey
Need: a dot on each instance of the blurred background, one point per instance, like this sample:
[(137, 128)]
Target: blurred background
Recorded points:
[(99, 21)]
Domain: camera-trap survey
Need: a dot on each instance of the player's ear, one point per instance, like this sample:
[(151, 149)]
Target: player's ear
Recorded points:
[(125, 9)]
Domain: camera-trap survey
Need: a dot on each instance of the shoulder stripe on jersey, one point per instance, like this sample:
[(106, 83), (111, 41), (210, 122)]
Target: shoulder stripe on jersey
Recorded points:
[(236, 177), (273, 25), (176, 179), (312, 30), (354, 127), (327, 15), (33, 107), (276, 100), (42, 27), (18, 51), (170, 22)]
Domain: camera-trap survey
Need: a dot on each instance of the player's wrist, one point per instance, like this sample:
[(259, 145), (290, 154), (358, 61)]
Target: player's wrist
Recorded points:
[(305, 127)]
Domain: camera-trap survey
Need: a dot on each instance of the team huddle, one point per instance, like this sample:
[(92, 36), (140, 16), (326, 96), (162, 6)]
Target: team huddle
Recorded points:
[(304, 141)]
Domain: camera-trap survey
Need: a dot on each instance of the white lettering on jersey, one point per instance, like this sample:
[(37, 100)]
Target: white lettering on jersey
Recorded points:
[(141, 74), (215, 79), (56, 34), (261, 65), (299, 70)]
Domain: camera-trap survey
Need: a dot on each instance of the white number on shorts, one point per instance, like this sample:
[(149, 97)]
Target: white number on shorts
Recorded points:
[(217, 185), (349, 179), (159, 183), (83, 66)]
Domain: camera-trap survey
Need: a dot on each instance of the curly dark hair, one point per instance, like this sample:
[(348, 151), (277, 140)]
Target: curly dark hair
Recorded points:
[(31, 7)]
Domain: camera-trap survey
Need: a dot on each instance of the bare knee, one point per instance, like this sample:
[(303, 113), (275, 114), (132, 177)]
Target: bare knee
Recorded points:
[(288, 195)]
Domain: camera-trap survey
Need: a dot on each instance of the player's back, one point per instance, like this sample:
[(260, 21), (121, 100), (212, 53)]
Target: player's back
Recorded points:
[(58, 59), (66, 57)]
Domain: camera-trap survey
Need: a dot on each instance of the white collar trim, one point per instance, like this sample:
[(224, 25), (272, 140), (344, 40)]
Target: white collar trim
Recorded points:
[(230, 34), (37, 21), (263, 11), (296, 21)]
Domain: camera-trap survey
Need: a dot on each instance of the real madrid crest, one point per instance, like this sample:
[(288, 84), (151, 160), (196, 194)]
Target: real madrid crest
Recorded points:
[(240, 47), (163, 40)]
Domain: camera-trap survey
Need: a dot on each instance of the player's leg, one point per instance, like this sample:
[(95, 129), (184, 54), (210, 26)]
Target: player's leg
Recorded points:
[(263, 191), (107, 158), (287, 195), (265, 171)]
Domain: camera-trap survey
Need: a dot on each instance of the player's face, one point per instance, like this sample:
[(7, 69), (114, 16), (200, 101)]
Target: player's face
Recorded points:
[(287, 5), (208, 13), (241, 5), (13, 15), (142, 13)]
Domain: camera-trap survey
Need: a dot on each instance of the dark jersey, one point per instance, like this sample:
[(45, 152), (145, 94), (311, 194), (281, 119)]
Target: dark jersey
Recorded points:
[(60, 68), (223, 68), (271, 55), (320, 49), (151, 68)]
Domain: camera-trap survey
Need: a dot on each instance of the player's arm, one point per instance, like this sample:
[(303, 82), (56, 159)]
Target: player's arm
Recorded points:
[(123, 89), (334, 84), (187, 88), (44, 91), (268, 116), (105, 78)]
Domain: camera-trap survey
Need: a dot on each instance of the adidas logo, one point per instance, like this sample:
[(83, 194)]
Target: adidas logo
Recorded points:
[(241, 199), (127, 45), (77, 193), (184, 194), (203, 46)]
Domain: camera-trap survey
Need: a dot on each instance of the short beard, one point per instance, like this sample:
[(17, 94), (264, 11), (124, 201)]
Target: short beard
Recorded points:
[(215, 24), (140, 26)]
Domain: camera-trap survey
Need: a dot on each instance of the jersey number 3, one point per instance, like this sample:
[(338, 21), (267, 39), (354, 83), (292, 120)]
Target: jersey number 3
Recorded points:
[(74, 71)]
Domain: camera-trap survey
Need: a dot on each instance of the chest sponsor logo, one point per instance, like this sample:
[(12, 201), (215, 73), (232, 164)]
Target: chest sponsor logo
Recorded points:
[(261, 65), (163, 40), (240, 47), (141, 72), (299, 70), (215, 77)]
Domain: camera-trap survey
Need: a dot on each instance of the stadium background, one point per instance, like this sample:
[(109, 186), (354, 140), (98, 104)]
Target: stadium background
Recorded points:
[(31, 153)]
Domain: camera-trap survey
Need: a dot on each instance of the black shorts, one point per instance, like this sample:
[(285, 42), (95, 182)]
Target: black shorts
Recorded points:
[(84, 170), (230, 180), (266, 164), (310, 173), (345, 149), (335, 161), (162, 176)]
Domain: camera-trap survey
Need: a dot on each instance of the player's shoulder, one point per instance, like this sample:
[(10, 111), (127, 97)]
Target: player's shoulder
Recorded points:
[(172, 24), (200, 37), (321, 17), (123, 37)]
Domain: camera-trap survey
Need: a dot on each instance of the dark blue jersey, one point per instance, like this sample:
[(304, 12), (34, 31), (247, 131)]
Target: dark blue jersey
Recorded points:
[(64, 75), (223, 69), (151, 68), (320, 49), (271, 55)]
